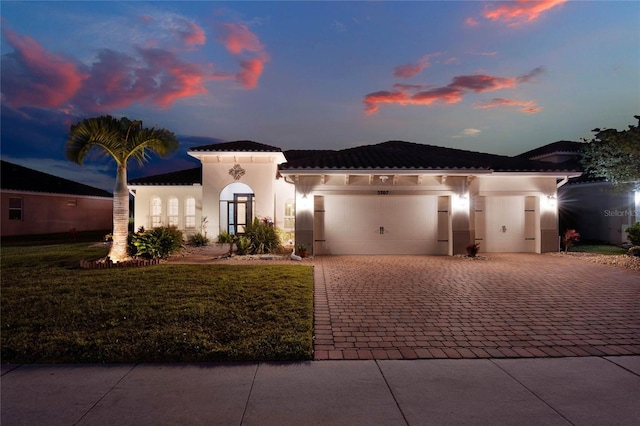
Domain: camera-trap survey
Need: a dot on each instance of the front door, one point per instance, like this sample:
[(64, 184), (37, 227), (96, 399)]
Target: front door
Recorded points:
[(240, 213)]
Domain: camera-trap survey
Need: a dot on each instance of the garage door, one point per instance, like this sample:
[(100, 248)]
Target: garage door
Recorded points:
[(381, 224), (504, 220)]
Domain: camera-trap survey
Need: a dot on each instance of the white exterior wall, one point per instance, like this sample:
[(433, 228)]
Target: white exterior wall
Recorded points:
[(260, 174), (144, 194)]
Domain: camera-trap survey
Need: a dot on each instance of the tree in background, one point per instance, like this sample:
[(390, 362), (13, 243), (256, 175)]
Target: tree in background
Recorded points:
[(615, 156), (121, 140)]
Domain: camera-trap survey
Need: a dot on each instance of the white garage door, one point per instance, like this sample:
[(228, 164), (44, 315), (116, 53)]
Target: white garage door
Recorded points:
[(382, 224), (505, 220)]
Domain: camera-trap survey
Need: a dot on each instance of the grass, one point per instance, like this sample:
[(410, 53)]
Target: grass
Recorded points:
[(54, 312), (598, 248)]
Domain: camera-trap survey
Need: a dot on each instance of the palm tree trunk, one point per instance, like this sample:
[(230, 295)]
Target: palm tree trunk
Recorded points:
[(118, 252)]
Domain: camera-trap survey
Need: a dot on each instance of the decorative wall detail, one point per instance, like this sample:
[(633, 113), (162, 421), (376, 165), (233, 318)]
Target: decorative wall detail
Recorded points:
[(236, 171)]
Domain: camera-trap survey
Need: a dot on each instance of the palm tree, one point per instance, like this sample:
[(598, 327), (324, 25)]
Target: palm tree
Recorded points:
[(122, 140)]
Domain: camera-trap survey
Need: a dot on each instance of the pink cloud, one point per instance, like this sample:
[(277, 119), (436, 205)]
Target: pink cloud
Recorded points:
[(482, 83), (470, 22), (528, 107), (521, 11), (33, 76), (409, 70), (407, 94), (447, 95), (238, 38), (158, 77), (193, 35), (251, 71)]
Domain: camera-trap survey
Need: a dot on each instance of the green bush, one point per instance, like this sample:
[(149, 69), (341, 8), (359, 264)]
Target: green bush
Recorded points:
[(198, 240), (264, 237), (157, 243), (242, 245), (634, 251), (634, 233)]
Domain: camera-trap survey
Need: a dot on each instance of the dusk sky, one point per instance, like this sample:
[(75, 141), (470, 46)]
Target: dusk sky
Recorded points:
[(497, 77)]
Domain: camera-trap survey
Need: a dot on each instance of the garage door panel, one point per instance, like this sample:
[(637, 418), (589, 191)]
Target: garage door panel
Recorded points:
[(504, 220), (380, 225)]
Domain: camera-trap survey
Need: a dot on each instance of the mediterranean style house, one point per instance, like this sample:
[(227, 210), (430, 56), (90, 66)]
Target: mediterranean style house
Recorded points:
[(34, 202), (594, 207), (389, 198)]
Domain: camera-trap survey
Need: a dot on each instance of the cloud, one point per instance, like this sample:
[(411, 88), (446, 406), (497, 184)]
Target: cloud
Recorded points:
[(156, 76), (411, 69), (447, 95), (193, 35), (250, 73), (515, 13), (528, 107), (32, 76), (470, 22), (407, 94), (468, 133), (238, 38), (112, 79)]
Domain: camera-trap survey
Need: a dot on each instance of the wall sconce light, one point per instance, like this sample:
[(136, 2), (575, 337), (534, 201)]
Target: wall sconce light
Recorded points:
[(383, 179), (461, 202)]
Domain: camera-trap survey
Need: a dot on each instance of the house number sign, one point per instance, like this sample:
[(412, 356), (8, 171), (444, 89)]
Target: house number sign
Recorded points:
[(236, 171)]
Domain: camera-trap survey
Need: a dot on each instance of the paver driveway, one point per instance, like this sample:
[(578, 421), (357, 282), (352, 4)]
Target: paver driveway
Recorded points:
[(509, 305)]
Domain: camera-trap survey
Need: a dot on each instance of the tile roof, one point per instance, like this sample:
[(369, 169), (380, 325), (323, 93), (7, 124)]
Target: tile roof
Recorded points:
[(19, 178), (182, 177), (239, 146), (400, 155), (554, 147)]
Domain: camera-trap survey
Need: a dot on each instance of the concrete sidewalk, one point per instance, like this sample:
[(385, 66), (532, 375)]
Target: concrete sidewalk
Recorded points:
[(542, 391)]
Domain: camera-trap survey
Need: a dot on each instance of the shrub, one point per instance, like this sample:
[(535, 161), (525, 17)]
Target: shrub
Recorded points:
[(226, 238), (198, 240), (242, 245), (570, 237), (157, 243), (473, 249), (634, 251), (264, 237), (634, 233)]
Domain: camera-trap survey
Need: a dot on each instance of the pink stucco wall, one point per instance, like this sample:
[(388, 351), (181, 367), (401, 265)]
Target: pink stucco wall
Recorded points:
[(54, 213)]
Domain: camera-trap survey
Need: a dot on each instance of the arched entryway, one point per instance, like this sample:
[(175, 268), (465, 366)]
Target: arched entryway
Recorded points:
[(236, 207)]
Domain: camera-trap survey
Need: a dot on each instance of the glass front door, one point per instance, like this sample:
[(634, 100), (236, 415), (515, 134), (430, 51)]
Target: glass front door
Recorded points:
[(240, 213)]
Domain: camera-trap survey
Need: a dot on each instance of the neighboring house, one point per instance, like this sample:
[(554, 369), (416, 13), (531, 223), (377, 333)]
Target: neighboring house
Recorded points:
[(594, 207), (34, 202), (390, 198)]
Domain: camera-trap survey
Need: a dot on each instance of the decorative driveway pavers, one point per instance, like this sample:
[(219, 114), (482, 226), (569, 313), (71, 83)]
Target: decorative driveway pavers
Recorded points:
[(506, 306)]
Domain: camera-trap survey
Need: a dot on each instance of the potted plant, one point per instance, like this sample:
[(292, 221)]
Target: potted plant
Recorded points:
[(301, 250)]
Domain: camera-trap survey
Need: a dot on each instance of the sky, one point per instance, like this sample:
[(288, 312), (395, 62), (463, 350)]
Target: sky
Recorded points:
[(497, 77)]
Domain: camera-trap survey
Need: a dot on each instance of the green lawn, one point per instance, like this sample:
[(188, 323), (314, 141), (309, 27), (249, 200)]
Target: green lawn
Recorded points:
[(53, 311), (598, 248)]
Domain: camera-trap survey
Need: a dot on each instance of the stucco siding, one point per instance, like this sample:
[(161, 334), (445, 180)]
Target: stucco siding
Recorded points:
[(55, 213)]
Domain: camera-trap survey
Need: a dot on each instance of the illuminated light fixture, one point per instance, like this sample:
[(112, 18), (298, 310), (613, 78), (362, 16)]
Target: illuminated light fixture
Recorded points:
[(637, 197), (461, 201)]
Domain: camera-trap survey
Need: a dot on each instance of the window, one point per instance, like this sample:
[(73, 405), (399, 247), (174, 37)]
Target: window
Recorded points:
[(190, 213), (156, 212), (172, 211), (15, 208), (289, 214)]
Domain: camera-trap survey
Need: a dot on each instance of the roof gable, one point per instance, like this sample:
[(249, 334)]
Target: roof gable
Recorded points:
[(237, 146), (19, 178)]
